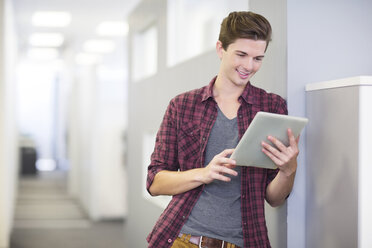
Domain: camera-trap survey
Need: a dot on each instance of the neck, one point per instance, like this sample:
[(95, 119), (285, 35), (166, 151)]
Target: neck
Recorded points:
[(224, 89), (226, 95)]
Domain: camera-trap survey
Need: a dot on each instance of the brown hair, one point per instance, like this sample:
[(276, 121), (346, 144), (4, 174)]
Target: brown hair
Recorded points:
[(244, 24)]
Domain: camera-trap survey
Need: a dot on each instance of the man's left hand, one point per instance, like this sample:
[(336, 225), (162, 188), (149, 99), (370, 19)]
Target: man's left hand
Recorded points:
[(284, 157)]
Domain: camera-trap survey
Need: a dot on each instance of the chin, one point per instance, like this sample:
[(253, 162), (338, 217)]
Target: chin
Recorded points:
[(242, 82)]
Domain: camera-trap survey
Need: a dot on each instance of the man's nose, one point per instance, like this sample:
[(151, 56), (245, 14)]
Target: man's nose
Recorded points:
[(248, 64)]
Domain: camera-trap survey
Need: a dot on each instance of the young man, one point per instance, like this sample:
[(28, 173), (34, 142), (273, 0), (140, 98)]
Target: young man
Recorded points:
[(216, 203)]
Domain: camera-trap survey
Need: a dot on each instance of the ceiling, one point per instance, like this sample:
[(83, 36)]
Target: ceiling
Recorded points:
[(85, 16)]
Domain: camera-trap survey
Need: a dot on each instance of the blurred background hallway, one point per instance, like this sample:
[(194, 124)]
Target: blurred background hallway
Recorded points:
[(63, 121), (84, 85), (66, 70)]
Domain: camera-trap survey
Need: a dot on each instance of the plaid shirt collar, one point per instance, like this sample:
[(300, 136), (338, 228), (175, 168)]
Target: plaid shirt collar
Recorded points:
[(246, 95)]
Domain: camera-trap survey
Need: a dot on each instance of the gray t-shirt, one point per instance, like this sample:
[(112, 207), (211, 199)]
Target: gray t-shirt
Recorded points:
[(217, 212)]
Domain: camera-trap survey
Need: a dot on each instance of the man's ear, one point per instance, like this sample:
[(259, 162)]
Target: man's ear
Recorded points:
[(219, 49)]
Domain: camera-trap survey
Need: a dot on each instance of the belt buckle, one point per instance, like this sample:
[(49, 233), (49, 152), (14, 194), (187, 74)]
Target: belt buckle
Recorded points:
[(201, 239)]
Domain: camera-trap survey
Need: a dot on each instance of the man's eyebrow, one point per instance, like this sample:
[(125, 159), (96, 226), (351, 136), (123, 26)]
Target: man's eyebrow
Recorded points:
[(238, 51), (241, 52)]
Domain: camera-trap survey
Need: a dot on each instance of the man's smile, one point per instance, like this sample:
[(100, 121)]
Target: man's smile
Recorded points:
[(243, 75)]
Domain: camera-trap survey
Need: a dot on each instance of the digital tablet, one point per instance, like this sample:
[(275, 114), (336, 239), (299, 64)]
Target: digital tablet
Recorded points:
[(248, 152)]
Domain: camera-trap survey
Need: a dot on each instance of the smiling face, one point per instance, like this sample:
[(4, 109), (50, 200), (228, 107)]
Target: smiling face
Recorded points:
[(241, 60)]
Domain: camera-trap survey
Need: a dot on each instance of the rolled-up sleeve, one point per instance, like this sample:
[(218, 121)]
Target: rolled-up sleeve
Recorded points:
[(164, 156)]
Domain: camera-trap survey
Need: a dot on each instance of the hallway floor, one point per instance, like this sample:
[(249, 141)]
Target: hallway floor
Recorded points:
[(46, 216)]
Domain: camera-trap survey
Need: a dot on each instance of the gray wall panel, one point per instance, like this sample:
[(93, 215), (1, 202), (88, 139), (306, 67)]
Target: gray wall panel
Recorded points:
[(332, 168)]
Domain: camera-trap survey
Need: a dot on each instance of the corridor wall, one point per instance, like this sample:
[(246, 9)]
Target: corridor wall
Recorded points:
[(95, 145), (8, 130)]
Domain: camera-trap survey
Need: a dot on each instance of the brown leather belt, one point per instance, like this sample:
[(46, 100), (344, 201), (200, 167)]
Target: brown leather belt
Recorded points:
[(206, 242)]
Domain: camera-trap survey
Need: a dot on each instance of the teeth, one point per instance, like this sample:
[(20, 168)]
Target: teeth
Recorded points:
[(245, 74)]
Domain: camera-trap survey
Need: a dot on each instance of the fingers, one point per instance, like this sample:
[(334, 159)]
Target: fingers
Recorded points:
[(220, 166), (223, 158), (276, 160), (226, 152), (224, 170), (223, 165), (221, 177), (218, 172), (231, 166), (298, 139), (277, 143), (292, 140), (279, 153)]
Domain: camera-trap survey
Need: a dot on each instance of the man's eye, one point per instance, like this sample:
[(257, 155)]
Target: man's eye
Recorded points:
[(241, 55)]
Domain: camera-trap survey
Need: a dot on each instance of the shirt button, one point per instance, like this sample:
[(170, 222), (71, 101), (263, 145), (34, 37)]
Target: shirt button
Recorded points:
[(203, 138), (169, 241), (240, 116), (183, 217), (243, 196), (245, 223)]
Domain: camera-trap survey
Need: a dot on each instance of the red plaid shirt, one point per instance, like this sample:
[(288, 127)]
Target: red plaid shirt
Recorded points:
[(180, 145)]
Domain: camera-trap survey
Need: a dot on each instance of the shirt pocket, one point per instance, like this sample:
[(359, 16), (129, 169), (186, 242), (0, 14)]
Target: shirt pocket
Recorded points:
[(189, 145)]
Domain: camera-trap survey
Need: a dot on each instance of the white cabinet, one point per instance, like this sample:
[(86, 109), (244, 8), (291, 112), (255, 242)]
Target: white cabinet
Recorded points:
[(339, 163)]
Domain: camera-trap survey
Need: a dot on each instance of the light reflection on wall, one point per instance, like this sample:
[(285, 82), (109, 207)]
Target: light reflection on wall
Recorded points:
[(145, 53), (193, 26), (36, 94)]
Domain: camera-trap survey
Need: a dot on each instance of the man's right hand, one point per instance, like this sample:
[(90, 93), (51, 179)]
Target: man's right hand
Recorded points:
[(220, 165)]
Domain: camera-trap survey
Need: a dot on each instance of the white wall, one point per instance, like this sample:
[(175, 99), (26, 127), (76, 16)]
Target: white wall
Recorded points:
[(81, 131), (36, 106), (8, 131), (108, 155), (96, 124)]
